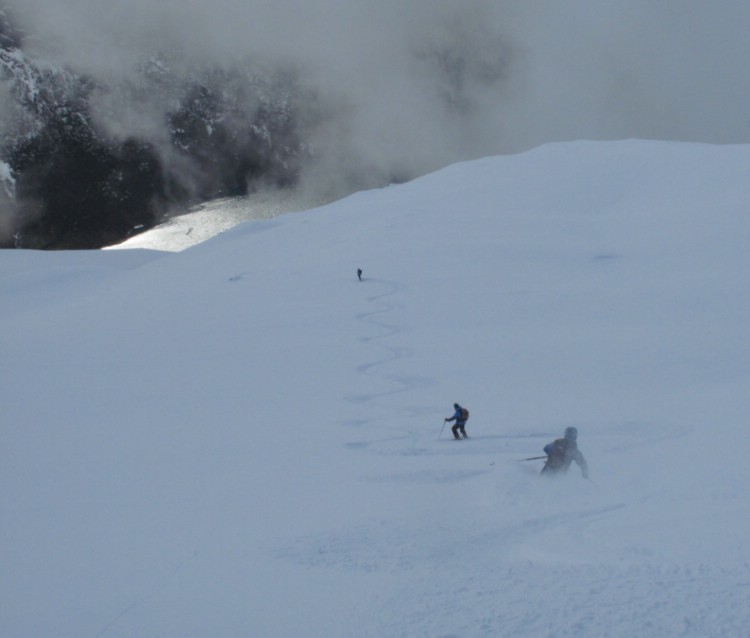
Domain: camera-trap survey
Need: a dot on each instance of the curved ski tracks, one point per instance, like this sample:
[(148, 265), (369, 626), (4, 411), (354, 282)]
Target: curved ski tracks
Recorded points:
[(431, 554), (379, 334)]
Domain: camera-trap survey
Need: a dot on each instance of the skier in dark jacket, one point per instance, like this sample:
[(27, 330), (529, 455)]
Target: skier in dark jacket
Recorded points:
[(459, 416), (562, 452)]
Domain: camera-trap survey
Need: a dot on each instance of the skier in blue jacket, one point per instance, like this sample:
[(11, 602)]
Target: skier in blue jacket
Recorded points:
[(459, 416), (562, 452)]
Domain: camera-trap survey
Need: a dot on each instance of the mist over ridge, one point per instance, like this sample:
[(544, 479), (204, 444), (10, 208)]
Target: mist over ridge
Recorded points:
[(334, 96)]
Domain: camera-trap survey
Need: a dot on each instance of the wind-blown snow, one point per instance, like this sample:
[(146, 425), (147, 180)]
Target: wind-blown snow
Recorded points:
[(242, 439)]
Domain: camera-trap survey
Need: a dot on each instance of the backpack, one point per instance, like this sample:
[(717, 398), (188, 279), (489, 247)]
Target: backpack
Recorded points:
[(464, 414), (557, 452)]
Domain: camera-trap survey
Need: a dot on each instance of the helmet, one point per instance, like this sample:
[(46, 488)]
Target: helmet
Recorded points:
[(571, 434), (456, 406)]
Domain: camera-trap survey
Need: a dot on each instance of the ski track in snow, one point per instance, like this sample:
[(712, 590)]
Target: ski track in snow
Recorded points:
[(385, 331), (511, 597), (147, 598), (377, 333), (427, 537)]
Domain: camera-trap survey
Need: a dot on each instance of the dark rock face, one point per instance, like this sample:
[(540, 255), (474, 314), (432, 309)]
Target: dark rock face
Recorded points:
[(69, 182)]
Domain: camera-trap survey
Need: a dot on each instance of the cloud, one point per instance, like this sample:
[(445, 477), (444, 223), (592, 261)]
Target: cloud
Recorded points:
[(404, 86)]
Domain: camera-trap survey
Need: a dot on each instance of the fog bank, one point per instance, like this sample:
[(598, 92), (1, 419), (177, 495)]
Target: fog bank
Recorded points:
[(412, 84), (346, 95)]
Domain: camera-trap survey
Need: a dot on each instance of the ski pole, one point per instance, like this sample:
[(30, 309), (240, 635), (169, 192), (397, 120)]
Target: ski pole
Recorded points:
[(443, 428), (533, 458)]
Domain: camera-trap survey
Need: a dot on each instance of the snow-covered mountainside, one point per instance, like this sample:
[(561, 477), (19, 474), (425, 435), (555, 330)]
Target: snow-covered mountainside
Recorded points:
[(243, 439)]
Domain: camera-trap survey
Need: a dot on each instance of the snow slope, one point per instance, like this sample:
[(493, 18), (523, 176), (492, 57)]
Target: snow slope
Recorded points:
[(242, 439)]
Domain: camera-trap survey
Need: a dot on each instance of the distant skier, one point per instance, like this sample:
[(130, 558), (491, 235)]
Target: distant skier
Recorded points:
[(359, 273), (460, 416), (562, 452)]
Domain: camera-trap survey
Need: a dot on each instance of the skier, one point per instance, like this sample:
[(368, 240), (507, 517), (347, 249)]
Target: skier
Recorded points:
[(562, 452), (460, 416), (359, 273)]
